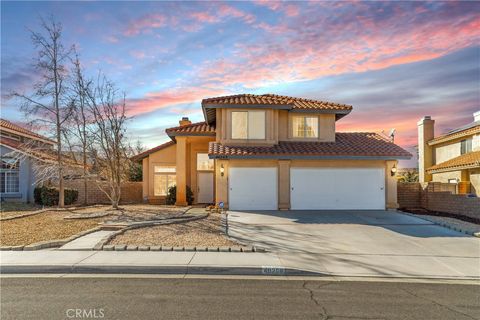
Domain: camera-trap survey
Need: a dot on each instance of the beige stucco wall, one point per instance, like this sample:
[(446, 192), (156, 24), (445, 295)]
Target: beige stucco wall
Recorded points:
[(444, 176), (221, 183), (446, 152), (476, 142), (278, 127), (475, 181)]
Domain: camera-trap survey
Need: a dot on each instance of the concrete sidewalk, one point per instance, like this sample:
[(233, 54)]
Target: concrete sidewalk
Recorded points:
[(232, 263)]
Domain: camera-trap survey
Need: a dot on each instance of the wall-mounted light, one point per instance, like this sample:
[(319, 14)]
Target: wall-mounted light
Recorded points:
[(222, 170), (393, 171)]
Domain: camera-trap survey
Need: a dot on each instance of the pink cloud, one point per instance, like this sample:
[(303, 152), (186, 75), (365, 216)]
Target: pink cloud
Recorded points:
[(170, 97), (145, 24)]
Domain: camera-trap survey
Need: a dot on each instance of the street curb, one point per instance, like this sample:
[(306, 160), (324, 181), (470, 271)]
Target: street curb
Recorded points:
[(174, 269), (442, 224)]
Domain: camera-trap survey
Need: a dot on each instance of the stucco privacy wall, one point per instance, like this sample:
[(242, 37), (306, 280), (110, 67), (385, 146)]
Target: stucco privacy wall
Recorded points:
[(284, 166), (131, 192), (435, 197)]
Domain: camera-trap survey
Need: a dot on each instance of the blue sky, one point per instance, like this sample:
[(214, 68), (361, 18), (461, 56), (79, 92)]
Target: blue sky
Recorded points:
[(393, 61)]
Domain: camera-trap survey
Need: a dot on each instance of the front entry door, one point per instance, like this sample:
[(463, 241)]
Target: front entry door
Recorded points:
[(205, 187)]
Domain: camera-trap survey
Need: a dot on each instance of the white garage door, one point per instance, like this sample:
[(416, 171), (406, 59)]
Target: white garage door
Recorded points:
[(337, 188), (252, 189)]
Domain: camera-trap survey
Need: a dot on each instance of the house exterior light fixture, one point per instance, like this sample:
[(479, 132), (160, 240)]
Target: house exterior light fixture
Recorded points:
[(222, 170), (393, 171)]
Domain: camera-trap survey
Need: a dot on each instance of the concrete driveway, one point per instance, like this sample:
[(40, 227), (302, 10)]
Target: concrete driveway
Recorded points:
[(360, 243)]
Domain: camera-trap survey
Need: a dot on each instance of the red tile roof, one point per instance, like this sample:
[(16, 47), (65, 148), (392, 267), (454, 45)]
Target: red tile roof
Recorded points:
[(22, 131), (36, 151), (145, 154), (199, 128), (276, 100), (455, 135), (347, 144), (465, 161)]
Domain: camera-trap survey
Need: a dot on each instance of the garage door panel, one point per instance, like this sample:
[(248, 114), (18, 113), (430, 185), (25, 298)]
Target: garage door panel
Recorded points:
[(253, 189), (337, 188)]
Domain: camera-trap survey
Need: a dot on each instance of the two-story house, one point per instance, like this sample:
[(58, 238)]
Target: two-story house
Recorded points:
[(453, 157), (269, 152), (17, 176)]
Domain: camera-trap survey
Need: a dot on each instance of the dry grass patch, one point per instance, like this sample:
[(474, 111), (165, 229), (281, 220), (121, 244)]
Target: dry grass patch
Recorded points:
[(48, 225), (203, 232)]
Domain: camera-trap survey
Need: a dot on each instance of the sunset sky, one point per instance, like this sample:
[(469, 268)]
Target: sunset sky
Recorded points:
[(393, 61)]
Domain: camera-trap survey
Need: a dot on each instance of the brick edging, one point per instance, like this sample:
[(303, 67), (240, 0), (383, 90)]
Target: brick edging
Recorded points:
[(49, 209), (443, 224), (25, 215)]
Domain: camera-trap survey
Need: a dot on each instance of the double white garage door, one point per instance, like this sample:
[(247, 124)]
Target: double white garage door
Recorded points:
[(310, 188)]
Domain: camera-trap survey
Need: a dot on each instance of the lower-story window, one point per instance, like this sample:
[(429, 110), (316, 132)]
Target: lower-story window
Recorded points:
[(9, 176), (164, 178)]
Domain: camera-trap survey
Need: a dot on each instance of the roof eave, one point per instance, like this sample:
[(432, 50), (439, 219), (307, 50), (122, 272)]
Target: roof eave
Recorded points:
[(456, 168), (308, 157)]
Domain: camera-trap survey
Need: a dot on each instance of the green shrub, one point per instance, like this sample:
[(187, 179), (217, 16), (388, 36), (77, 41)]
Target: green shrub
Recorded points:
[(172, 195), (48, 196), (37, 195)]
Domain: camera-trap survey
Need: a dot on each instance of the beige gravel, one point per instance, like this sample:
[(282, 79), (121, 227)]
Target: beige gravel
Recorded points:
[(204, 232), (48, 225)]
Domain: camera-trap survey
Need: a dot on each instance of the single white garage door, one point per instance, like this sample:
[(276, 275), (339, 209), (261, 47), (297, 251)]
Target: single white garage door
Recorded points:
[(337, 188), (252, 189)]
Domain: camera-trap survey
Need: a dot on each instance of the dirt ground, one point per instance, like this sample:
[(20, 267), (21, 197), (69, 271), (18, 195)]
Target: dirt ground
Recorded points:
[(203, 232)]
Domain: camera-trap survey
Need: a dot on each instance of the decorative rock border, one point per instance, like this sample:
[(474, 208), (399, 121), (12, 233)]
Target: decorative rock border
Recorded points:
[(123, 247), (443, 224), (49, 243)]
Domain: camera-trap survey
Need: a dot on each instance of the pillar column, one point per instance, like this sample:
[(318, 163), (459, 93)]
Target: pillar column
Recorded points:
[(284, 184), (391, 185), (181, 166)]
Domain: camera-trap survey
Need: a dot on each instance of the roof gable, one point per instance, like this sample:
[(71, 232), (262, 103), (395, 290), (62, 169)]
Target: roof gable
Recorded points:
[(272, 101)]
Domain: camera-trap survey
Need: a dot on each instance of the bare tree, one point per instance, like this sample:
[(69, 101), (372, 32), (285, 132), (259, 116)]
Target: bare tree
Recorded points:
[(108, 108), (47, 103), (81, 119)]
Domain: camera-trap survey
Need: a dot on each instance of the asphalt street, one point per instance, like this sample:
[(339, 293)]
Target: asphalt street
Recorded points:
[(172, 298)]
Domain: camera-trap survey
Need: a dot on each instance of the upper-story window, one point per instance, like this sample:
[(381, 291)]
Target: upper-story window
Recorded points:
[(305, 127), (248, 125), (465, 146)]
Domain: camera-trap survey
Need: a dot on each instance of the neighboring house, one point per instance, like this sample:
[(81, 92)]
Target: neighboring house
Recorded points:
[(17, 177), (453, 157), (269, 152)]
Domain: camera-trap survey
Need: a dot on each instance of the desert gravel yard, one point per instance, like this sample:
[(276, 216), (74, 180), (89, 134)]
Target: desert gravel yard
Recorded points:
[(49, 225), (11, 209), (204, 232)]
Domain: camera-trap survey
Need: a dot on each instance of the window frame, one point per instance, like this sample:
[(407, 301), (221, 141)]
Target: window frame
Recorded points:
[(249, 112), (304, 118), (7, 172), (465, 146), (209, 160), (168, 174)]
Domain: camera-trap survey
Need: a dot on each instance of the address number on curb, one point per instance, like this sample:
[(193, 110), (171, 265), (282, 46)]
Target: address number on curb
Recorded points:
[(273, 270)]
